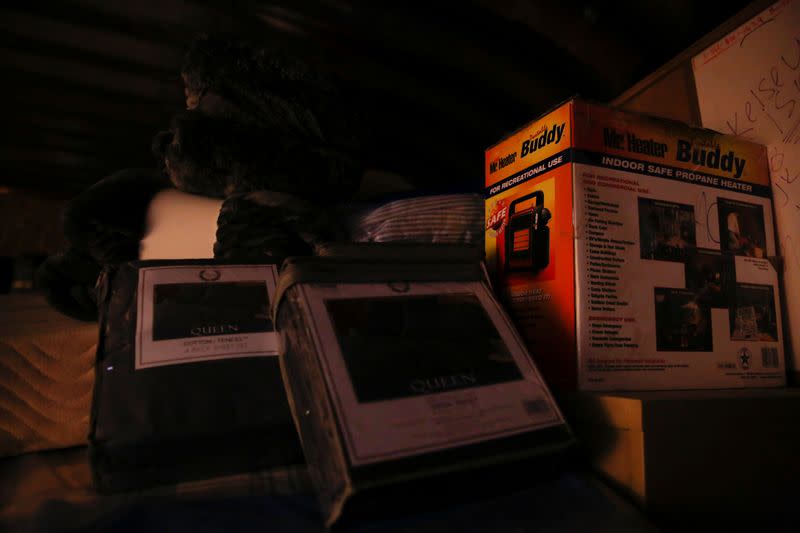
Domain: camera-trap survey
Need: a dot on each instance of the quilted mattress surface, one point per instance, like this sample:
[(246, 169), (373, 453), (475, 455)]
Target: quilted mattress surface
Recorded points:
[(46, 376)]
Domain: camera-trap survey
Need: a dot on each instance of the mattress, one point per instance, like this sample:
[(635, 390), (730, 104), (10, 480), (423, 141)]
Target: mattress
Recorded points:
[(46, 376)]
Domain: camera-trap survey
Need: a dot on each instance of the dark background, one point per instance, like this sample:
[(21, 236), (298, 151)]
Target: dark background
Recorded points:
[(86, 83)]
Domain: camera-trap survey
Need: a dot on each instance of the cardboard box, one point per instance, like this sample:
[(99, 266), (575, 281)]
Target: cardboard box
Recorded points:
[(716, 453), (634, 253)]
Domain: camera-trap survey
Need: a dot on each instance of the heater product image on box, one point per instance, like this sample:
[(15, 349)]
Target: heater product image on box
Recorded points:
[(753, 316), (741, 228), (666, 230), (683, 323), (527, 236)]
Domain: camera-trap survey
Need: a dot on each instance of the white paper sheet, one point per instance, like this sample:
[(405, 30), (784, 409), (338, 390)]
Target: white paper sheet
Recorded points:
[(748, 84)]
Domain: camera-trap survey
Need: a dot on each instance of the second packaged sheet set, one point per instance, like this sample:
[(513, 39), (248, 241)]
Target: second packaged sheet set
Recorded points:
[(423, 367)]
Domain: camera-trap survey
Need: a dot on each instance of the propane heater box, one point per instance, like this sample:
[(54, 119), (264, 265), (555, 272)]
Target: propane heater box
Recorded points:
[(403, 373), (635, 253)]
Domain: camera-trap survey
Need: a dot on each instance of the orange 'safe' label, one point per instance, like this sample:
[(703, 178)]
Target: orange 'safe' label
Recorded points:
[(497, 216)]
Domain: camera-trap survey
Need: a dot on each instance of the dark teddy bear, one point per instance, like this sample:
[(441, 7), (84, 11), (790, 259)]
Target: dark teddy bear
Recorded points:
[(228, 77), (219, 157), (258, 119), (273, 138), (103, 225)]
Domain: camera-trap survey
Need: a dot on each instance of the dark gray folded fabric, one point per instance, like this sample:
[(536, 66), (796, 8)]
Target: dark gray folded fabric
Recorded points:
[(267, 226)]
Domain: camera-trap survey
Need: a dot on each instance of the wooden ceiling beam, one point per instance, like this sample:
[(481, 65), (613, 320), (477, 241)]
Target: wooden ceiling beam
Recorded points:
[(83, 72), (32, 47), (49, 177), (609, 55), (70, 123), (356, 66), (179, 17), (54, 174), (86, 15), (36, 95), (59, 36), (101, 148), (34, 156), (415, 43)]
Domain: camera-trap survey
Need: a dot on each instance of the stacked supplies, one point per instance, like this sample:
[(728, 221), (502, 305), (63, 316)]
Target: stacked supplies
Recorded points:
[(188, 382)]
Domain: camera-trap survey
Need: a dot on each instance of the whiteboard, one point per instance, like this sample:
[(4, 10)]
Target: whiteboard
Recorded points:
[(748, 84)]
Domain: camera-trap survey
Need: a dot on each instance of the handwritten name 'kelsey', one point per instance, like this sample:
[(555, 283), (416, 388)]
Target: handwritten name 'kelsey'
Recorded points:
[(773, 100)]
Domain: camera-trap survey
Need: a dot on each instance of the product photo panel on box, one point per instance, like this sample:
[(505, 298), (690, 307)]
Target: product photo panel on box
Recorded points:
[(660, 236)]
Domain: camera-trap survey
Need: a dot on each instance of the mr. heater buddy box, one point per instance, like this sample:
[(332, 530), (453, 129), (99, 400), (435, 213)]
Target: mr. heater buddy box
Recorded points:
[(608, 235)]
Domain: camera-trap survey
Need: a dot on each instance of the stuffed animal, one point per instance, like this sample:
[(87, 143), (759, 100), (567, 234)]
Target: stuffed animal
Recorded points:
[(102, 226), (258, 119), (272, 137)]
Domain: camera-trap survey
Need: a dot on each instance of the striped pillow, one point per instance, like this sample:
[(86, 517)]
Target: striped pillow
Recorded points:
[(448, 218)]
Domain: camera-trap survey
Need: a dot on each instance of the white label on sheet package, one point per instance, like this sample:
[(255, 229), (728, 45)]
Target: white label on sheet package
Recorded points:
[(192, 313)]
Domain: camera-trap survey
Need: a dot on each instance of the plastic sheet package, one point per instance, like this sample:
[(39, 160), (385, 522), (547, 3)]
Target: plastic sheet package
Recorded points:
[(188, 383), (403, 372)]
